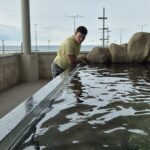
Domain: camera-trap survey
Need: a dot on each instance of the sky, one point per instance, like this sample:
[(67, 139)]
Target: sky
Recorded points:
[(124, 18)]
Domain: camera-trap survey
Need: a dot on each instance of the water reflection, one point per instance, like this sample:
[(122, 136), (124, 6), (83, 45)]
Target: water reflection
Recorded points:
[(29, 104), (77, 88), (103, 107)]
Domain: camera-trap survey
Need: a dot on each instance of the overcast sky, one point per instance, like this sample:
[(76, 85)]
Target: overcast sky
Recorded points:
[(53, 23)]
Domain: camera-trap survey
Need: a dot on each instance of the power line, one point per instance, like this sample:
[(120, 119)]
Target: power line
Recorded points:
[(36, 36)]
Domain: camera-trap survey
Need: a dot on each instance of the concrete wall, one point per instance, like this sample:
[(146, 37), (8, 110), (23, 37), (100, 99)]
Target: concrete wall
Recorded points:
[(29, 67), (9, 71), (44, 63), (11, 68)]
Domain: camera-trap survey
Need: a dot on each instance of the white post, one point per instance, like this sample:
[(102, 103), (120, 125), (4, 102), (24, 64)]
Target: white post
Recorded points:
[(25, 9), (28, 61)]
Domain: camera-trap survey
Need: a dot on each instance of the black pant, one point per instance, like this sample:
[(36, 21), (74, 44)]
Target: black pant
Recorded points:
[(56, 70)]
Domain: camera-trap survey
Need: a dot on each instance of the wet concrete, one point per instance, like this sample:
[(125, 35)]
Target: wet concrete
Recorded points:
[(16, 124), (12, 97)]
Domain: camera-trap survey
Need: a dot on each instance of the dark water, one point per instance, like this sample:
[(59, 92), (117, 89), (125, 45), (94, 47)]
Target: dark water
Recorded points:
[(102, 108)]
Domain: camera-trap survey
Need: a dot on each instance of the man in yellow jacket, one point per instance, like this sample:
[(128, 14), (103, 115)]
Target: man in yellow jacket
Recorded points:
[(68, 51)]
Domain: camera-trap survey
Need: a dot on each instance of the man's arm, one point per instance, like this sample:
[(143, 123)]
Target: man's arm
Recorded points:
[(72, 59)]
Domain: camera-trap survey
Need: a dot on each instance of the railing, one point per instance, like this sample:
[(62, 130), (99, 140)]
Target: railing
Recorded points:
[(18, 49), (10, 49), (41, 48)]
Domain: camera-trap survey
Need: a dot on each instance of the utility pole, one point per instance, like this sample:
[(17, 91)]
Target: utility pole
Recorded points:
[(121, 31), (104, 28), (36, 36), (74, 20), (3, 44), (142, 26), (48, 44), (108, 31), (35, 25)]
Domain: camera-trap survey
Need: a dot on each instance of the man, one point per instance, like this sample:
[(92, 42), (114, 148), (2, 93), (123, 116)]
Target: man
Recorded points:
[(68, 52)]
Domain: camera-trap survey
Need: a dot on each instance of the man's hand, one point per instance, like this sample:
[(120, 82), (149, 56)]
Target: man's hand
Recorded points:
[(82, 58), (72, 59), (84, 62)]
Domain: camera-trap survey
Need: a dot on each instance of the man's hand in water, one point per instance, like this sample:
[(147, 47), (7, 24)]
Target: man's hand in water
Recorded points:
[(72, 59), (82, 59), (84, 62)]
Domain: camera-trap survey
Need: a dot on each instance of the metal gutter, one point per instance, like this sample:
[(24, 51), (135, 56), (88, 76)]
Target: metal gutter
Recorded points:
[(16, 124)]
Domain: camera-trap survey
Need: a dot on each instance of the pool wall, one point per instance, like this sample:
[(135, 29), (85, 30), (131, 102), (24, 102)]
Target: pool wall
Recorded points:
[(16, 124)]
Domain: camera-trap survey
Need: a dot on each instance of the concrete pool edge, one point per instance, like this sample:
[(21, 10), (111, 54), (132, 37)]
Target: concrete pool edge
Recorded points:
[(15, 125)]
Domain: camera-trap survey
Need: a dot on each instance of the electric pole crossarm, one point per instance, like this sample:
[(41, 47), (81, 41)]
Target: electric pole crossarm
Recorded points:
[(104, 28), (102, 18)]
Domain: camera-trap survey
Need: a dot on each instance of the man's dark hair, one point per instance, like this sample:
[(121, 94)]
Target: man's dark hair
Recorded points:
[(82, 30)]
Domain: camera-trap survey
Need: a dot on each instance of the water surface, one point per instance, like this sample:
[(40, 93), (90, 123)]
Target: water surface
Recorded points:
[(102, 108)]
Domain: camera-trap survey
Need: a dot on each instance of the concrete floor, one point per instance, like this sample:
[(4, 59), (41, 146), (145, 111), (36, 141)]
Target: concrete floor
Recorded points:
[(12, 97)]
